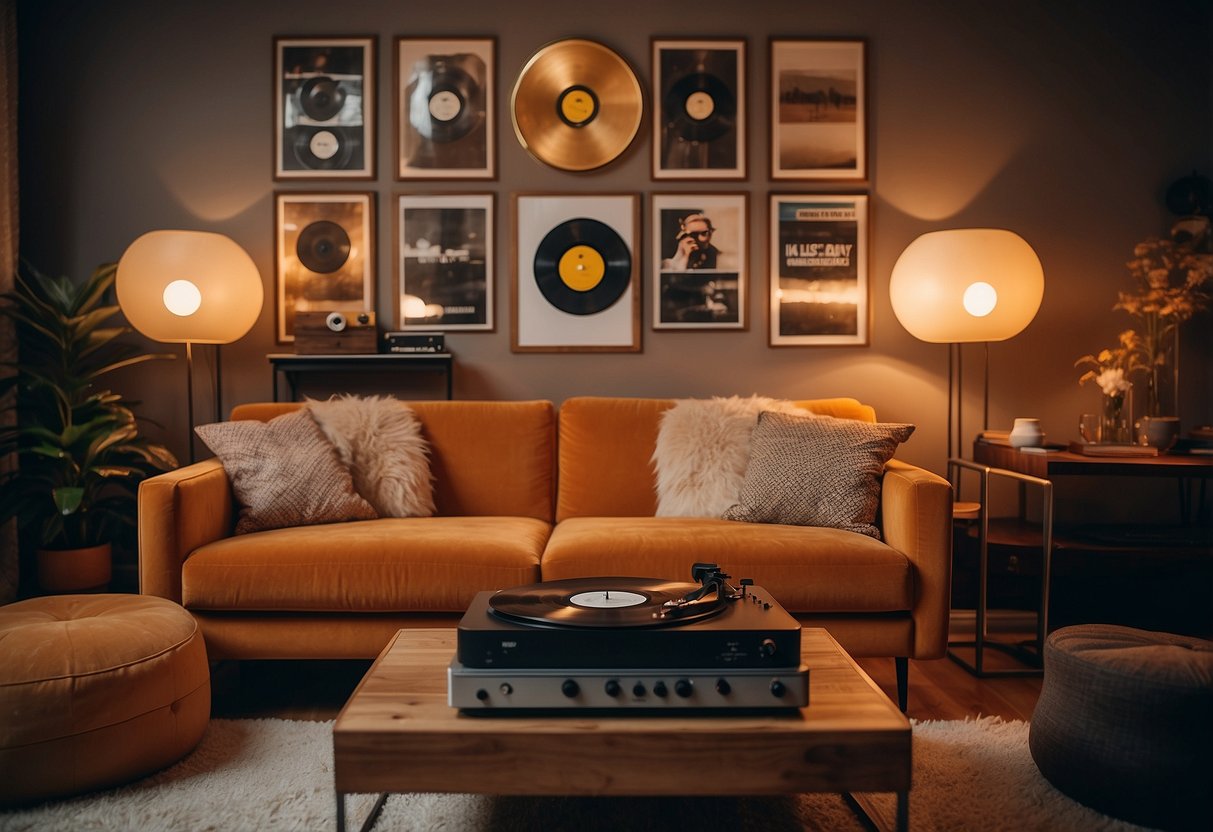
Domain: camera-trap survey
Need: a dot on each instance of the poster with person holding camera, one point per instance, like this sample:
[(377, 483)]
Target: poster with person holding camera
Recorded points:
[(700, 251)]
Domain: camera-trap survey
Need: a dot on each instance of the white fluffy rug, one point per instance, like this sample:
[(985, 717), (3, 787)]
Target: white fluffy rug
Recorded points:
[(277, 775)]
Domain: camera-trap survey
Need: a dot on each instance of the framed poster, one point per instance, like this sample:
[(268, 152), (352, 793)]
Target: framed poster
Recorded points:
[(699, 127), (324, 108), (818, 102), (444, 262), (576, 281), (444, 110), (700, 260), (325, 255), (818, 270)]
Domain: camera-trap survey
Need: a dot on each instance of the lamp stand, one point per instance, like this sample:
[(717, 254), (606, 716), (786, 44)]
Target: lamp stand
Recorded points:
[(189, 399)]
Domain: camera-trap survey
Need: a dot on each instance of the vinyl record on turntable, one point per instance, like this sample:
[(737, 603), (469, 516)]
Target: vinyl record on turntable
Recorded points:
[(602, 602), (576, 105), (323, 247), (700, 107), (582, 266)]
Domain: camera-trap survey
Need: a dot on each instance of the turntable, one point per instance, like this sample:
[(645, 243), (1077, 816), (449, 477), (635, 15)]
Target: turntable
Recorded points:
[(628, 643)]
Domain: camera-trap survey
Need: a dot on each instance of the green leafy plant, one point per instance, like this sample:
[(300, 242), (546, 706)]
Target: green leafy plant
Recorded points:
[(79, 451)]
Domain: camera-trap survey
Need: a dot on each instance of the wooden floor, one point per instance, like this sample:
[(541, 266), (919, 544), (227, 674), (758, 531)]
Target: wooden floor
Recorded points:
[(316, 690)]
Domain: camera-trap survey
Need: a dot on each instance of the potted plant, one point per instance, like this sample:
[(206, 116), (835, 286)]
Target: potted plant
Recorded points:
[(80, 455)]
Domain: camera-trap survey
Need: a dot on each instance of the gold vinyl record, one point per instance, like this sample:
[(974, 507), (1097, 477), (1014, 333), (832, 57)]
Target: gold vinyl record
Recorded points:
[(576, 105)]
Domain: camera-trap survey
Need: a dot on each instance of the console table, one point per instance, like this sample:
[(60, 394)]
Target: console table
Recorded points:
[(291, 366), (1040, 470)]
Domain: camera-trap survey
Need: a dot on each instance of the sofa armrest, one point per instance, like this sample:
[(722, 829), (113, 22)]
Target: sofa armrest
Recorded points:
[(916, 520), (178, 512)]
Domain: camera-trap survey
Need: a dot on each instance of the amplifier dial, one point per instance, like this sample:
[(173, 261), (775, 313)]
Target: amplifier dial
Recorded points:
[(778, 689), (570, 688), (683, 688), (613, 688), (723, 687), (660, 689), (768, 647)]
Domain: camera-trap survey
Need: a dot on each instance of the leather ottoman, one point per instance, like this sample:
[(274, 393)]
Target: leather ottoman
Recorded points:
[(96, 690), (1124, 723)]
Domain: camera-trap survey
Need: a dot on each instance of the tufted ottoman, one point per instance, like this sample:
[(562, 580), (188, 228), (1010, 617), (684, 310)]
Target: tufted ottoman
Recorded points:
[(1124, 723), (96, 690)]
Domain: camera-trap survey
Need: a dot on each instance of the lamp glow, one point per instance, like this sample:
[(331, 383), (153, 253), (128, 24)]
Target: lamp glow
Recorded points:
[(182, 298), (980, 299)]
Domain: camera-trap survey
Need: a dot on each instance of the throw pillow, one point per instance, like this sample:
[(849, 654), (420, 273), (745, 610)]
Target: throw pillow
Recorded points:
[(284, 472), (702, 449), (379, 440), (817, 472)]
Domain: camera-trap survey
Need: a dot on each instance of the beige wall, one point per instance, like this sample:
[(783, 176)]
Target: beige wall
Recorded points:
[(1062, 121)]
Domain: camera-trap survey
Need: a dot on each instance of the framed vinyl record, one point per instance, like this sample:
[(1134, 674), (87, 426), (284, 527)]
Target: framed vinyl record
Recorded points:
[(444, 262), (700, 262), (576, 280), (819, 270), (325, 255), (818, 106), (444, 108), (699, 126), (324, 99)]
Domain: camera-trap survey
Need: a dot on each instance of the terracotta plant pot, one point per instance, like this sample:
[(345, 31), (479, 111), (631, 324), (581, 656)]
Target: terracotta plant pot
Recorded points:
[(74, 570)]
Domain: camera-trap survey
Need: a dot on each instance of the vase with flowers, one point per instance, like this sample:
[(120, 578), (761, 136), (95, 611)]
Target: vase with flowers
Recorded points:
[(1173, 279), (1110, 369)]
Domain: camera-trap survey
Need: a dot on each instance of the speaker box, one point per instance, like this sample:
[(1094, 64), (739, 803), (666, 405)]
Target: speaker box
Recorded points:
[(336, 333)]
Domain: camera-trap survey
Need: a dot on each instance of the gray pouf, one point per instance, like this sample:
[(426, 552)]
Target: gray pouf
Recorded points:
[(1124, 723)]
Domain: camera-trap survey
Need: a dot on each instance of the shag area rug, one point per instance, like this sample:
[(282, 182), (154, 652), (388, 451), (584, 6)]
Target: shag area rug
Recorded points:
[(277, 775)]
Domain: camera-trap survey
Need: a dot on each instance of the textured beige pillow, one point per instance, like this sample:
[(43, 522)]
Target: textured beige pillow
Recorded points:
[(284, 472), (379, 440), (817, 471), (702, 449)]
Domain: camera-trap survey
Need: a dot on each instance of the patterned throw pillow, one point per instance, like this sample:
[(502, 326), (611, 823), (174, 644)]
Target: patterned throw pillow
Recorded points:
[(284, 472), (821, 471)]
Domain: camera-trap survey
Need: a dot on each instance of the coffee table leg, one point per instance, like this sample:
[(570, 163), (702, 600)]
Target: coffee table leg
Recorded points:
[(872, 816), (370, 819)]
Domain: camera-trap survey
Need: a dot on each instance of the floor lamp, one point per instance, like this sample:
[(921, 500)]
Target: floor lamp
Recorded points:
[(189, 287), (966, 285)]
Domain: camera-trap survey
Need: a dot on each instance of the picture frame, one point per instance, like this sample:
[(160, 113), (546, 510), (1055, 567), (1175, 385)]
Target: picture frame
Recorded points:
[(444, 258), (575, 277), (324, 255), (700, 260), (445, 108), (818, 270), (324, 108), (700, 109), (818, 101)]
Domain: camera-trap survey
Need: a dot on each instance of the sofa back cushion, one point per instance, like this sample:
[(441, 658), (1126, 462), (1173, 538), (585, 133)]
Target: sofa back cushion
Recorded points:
[(606, 449), (487, 458)]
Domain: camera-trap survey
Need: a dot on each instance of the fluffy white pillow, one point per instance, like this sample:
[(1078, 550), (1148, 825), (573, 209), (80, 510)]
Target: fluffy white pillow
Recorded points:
[(379, 439), (703, 447)]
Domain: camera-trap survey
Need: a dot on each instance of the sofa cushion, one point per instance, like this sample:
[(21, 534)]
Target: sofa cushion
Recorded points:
[(808, 569), (284, 472), (379, 440), (433, 564), (817, 471), (703, 447)]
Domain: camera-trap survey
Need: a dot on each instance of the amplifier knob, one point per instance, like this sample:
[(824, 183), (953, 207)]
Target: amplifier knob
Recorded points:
[(723, 687), (638, 690), (613, 688), (683, 688), (659, 689), (768, 647), (570, 688), (482, 694), (778, 689)]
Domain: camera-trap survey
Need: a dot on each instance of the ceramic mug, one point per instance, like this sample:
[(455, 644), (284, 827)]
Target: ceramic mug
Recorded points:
[(1158, 432)]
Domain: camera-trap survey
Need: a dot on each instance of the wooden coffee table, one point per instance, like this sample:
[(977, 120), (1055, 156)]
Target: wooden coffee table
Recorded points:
[(396, 734)]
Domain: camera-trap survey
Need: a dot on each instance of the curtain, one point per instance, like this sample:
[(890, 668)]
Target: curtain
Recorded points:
[(8, 257)]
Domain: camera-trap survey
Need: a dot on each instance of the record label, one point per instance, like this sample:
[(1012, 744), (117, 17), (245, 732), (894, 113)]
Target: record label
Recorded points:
[(582, 266), (577, 106), (323, 247), (324, 145), (700, 105), (445, 105)]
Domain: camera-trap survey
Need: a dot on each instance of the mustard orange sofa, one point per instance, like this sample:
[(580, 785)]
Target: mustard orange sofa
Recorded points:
[(524, 493)]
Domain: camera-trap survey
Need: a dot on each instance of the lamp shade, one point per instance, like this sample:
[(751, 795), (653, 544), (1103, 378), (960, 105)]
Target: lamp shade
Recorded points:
[(189, 286), (967, 284)]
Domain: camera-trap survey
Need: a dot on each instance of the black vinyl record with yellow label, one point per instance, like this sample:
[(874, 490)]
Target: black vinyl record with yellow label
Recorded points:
[(582, 266)]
